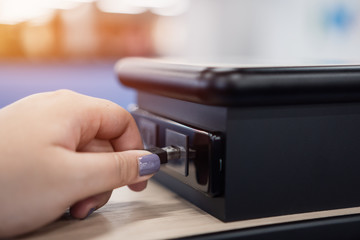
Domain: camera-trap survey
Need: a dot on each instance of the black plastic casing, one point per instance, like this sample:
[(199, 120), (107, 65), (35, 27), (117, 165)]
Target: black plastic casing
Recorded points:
[(291, 134), (243, 85)]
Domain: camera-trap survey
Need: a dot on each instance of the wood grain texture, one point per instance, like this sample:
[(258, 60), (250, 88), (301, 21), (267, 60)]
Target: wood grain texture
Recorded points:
[(155, 213)]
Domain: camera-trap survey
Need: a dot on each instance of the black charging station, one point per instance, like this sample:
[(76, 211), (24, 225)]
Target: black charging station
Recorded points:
[(260, 140)]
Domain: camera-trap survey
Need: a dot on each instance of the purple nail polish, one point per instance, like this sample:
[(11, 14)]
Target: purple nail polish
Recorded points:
[(149, 164), (89, 213)]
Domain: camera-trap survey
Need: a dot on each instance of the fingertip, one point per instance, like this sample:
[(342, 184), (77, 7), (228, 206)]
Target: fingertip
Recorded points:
[(89, 213), (138, 187), (81, 210), (84, 208)]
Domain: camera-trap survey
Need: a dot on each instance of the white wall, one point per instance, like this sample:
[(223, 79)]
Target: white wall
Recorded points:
[(286, 29)]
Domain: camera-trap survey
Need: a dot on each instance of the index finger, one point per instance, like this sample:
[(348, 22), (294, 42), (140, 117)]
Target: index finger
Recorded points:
[(111, 122), (100, 119)]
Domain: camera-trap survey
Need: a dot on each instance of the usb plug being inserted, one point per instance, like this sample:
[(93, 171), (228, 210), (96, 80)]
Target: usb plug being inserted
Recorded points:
[(167, 153)]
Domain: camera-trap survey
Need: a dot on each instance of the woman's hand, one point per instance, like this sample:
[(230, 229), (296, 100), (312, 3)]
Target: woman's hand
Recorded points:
[(62, 149)]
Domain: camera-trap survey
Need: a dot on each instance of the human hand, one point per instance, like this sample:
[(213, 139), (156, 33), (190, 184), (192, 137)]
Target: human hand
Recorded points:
[(62, 149)]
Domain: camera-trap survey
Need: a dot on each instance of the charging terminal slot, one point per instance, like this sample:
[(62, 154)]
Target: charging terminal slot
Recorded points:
[(201, 157), (180, 141)]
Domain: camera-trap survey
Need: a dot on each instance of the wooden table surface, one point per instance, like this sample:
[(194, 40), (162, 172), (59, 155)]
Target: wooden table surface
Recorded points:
[(155, 213)]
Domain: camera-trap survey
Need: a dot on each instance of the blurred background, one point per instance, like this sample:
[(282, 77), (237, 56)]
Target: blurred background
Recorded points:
[(74, 44)]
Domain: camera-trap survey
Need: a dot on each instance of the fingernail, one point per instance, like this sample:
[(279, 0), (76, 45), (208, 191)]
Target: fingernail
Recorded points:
[(89, 213), (149, 164)]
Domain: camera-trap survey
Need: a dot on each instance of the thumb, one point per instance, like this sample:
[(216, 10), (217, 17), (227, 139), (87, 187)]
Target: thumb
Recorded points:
[(101, 172)]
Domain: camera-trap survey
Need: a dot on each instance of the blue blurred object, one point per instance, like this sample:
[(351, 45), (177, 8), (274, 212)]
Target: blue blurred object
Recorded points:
[(97, 79), (340, 17)]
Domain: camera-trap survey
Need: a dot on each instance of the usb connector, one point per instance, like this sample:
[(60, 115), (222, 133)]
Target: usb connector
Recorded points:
[(166, 154)]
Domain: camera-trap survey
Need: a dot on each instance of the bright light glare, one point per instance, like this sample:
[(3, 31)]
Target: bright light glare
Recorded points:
[(174, 9), (15, 11), (63, 4), (119, 6), (153, 3), (161, 7)]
